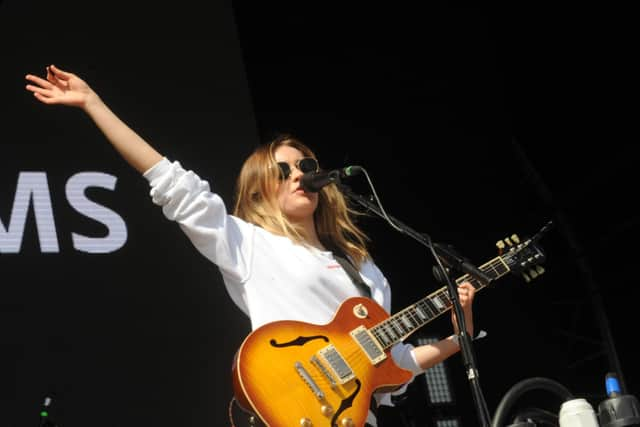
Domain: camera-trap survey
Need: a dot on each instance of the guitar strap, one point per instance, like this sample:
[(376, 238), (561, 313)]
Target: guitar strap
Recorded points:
[(348, 267), (365, 291)]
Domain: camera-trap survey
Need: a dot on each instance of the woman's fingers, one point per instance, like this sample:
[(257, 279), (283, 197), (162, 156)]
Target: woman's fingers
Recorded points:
[(58, 73), (43, 90), (467, 288), (51, 77), (44, 99), (466, 292), (43, 95), (39, 81), (56, 87), (40, 90)]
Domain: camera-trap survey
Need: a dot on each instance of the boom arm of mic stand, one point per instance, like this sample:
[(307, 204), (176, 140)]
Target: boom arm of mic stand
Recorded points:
[(450, 258), (455, 261)]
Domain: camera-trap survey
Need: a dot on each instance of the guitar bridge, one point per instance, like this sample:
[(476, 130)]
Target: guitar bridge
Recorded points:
[(306, 377)]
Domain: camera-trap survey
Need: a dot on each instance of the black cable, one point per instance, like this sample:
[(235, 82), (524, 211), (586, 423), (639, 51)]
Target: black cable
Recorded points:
[(230, 410), (515, 392)]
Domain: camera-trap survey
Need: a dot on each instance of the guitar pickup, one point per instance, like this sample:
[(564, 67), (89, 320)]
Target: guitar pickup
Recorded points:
[(369, 344), (336, 364)]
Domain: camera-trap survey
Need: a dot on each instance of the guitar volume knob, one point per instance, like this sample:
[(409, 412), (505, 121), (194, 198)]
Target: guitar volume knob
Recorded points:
[(326, 410), (305, 422), (347, 422)]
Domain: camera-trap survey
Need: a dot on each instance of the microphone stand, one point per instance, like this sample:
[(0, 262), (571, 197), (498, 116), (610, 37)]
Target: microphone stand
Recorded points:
[(455, 262)]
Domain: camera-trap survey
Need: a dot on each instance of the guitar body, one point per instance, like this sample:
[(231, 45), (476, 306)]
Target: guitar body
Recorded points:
[(292, 373)]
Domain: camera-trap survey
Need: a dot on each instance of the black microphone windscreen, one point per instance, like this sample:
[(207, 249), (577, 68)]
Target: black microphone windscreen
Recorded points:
[(312, 182)]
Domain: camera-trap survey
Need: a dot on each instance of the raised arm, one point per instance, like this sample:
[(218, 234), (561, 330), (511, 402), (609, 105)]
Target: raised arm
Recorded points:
[(64, 88)]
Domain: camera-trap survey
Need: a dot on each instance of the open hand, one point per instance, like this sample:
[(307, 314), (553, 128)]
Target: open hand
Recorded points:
[(60, 87)]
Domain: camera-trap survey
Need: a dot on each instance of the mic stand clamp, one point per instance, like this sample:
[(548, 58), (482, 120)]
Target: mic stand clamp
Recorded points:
[(461, 264), (456, 262)]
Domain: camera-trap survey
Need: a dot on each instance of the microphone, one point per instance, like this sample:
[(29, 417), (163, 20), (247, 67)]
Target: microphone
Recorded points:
[(312, 182)]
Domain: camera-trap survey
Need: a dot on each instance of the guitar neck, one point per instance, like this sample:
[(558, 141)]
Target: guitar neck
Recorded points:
[(399, 326)]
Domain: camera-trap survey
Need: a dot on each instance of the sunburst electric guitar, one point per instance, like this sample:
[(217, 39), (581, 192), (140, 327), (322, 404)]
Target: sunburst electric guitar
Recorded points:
[(291, 373)]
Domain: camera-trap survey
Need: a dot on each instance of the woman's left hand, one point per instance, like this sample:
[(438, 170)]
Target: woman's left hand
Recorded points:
[(466, 293)]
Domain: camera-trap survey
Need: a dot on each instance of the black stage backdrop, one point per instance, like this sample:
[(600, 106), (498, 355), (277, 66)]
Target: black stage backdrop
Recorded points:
[(133, 327), (475, 123), (472, 124)]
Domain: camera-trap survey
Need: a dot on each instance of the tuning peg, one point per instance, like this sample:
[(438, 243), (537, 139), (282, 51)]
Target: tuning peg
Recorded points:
[(500, 244), (508, 241), (533, 273), (540, 269), (515, 238), (526, 277)]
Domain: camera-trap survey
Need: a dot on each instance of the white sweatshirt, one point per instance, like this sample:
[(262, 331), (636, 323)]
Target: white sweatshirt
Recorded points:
[(269, 277)]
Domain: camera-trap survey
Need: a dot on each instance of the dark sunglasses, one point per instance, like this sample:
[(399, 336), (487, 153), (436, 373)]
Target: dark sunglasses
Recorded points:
[(304, 165)]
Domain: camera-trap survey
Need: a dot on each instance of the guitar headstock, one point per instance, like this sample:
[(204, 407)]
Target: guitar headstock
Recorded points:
[(523, 257)]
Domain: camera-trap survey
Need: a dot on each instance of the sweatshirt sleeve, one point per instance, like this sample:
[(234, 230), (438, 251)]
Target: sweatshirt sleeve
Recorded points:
[(402, 354), (201, 214)]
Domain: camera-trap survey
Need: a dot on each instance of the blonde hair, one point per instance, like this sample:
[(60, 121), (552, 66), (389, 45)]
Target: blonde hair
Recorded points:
[(256, 202)]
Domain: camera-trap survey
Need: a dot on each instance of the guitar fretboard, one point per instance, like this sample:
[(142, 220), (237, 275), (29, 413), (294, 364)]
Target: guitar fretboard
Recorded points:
[(399, 326)]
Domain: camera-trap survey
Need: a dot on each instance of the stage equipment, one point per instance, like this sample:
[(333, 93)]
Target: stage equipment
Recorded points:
[(617, 410)]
